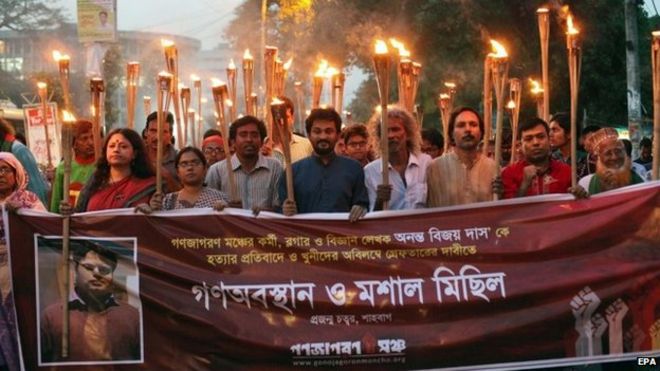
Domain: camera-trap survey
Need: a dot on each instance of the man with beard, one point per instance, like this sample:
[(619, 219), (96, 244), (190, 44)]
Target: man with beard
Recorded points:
[(101, 328), (256, 175), (169, 153), (537, 173), (464, 175), (325, 182), (613, 168), (82, 167), (407, 165)]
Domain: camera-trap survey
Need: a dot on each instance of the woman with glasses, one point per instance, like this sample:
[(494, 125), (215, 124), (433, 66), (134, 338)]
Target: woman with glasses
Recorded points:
[(191, 169)]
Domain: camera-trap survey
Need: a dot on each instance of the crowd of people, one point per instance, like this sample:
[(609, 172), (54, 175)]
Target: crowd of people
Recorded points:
[(334, 169)]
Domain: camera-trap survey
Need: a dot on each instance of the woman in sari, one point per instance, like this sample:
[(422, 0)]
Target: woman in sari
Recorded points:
[(124, 176)]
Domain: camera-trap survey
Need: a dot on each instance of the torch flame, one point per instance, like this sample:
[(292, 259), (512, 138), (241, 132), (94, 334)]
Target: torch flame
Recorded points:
[(511, 105), (194, 77), (570, 27), (444, 96), (450, 85), (231, 66), (288, 63), (166, 43), (165, 74), (276, 102), (536, 87), (42, 85), (57, 56), (655, 33), (229, 103), (331, 71), (217, 82), (68, 116), (323, 67), (542, 10), (498, 50), (403, 52), (381, 47), (247, 54)]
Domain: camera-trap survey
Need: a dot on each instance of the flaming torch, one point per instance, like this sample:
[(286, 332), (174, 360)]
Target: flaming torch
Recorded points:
[(537, 92), (220, 94), (186, 96), (500, 70), (404, 75), (132, 79), (412, 93), (97, 90), (655, 60), (172, 63), (317, 84), (544, 31), (337, 81), (488, 101), (146, 101), (197, 85), (248, 81), (444, 105), (42, 89), (574, 65), (278, 112), (63, 63), (382, 68), (231, 86), (67, 145), (164, 84), (515, 88), (300, 103)]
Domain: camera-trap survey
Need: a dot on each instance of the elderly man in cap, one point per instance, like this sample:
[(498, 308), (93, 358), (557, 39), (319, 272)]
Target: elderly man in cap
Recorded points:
[(213, 148), (613, 167)]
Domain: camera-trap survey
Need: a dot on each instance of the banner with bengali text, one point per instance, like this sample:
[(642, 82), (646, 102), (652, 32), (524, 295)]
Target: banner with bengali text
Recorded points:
[(537, 281)]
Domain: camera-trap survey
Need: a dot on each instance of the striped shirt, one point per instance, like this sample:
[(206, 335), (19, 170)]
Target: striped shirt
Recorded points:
[(450, 182), (301, 148), (256, 188)]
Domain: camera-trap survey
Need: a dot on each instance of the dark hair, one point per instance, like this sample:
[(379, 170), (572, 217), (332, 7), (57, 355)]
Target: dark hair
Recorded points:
[(211, 132), (103, 12), (153, 116), (192, 149), (564, 121), (532, 123), (628, 145), (6, 128), (247, 120), (645, 142), (433, 136), (590, 129), (454, 115), (352, 130), (82, 247), (140, 166), (288, 103), (328, 114), (81, 127)]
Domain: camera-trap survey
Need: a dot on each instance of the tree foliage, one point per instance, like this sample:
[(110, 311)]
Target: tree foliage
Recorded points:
[(21, 15), (450, 39)]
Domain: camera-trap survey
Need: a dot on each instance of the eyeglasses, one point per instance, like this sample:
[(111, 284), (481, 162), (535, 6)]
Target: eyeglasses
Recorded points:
[(103, 270), (357, 144), (209, 151), (192, 163), (6, 170)]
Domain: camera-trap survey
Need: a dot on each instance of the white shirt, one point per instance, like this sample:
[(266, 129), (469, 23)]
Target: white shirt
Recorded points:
[(408, 195)]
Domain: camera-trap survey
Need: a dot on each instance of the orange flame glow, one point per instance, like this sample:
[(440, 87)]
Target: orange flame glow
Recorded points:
[(288, 63), (68, 116), (403, 52), (166, 43), (498, 50), (570, 27), (231, 65), (381, 47), (536, 87), (247, 54)]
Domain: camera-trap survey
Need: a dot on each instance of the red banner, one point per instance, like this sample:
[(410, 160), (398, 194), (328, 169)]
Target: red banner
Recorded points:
[(543, 280)]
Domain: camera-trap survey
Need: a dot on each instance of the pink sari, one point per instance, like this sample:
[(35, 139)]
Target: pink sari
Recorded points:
[(128, 192)]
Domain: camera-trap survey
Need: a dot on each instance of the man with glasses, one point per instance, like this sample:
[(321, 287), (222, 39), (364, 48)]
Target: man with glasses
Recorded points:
[(213, 149), (101, 328), (356, 143)]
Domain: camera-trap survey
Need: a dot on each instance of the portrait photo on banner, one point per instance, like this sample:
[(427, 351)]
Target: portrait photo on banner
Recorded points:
[(105, 323)]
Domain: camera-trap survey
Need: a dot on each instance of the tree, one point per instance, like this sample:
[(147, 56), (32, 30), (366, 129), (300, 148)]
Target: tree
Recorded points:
[(29, 15)]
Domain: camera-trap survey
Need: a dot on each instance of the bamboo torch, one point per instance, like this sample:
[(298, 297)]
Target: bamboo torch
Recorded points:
[(186, 96), (300, 103), (172, 63), (544, 32), (404, 75), (655, 59), (248, 81), (42, 89), (514, 95), (63, 63), (537, 93), (278, 75), (444, 102), (337, 82), (451, 91), (382, 68), (500, 68), (254, 103), (220, 93), (132, 80), (574, 63), (197, 85), (67, 145), (97, 91), (278, 111), (231, 86), (146, 101), (414, 85), (488, 101), (164, 84), (317, 83)]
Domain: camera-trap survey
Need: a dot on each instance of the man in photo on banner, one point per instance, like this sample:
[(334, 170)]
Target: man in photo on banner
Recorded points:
[(101, 328)]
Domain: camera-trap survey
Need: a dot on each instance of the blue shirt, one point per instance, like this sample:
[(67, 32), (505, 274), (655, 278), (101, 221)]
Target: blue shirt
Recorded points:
[(320, 188)]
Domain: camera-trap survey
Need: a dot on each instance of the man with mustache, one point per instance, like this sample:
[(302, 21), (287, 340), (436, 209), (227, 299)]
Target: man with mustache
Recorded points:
[(101, 327), (537, 173), (406, 167), (613, 166), (150, 135), (256, 175), (464, 175), (325, 182)]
